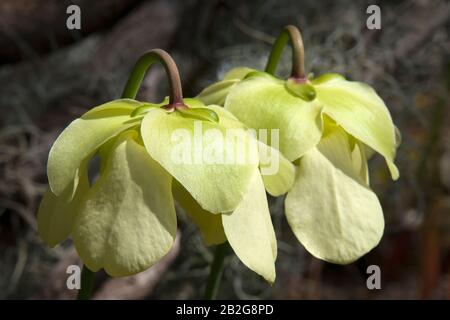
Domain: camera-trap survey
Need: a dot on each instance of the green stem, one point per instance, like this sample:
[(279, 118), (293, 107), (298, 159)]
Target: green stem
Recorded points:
[(87, 284), (141, 67), (298, 56), (215, 275)]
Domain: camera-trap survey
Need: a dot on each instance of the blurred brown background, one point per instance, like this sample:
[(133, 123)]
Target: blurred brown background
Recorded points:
[(50, 75)]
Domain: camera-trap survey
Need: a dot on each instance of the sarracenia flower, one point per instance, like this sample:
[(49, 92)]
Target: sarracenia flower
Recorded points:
[(329, 126), (125, 220)]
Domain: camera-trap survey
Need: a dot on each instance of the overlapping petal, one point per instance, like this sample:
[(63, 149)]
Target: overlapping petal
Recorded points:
[(209, 224), (264, 103), (250, 233), (330, 209), (361, 112), (218, 91), (277, 172), (238, 73), (82, 137), (57, 214), (360, 162), (215, 164), (128, 220)]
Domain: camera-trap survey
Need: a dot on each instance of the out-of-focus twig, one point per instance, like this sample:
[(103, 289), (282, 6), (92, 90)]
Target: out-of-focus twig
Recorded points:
[(254, 33)]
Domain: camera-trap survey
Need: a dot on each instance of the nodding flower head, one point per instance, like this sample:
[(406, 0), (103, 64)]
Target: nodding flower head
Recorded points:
[(124, 221), (329, 127)]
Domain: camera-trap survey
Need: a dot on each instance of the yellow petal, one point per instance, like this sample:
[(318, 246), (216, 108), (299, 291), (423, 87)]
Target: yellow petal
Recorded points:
[(360, 162), (277, 172), (217, 92), (238, 73), (83, 137), (335, 216), (250, 233), (114, 108), (215, 165), (56, 214), (263, 103), (362, 113), (210, 225), (128, 221)]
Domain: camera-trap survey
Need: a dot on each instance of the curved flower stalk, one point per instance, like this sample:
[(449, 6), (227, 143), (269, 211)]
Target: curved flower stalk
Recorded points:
[(125, 221), (329, 127)]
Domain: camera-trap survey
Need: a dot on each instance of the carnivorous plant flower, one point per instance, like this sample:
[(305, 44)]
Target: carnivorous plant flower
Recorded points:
[(125, 221), (329, 126)]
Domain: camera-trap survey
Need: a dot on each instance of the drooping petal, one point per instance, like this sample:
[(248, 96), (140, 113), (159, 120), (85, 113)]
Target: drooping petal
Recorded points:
[(335, 216), (237, 73), (264, 103), (218, 91), (362, 113), (250, 233), (326, 78), (209, 224), (214, 163), (277, 172), (56, 214), (82, 137), (128, 221), (360, 162), (114, 108), (336, 147)]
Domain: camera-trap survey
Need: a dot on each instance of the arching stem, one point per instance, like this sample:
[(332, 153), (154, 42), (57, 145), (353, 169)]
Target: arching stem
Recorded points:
[(141, 67), (298, 56)]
